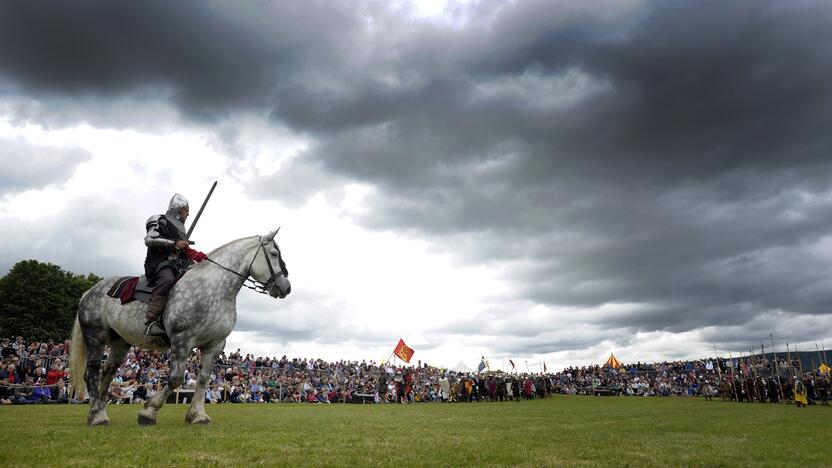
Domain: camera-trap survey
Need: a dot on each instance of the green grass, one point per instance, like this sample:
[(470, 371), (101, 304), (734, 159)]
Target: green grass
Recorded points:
[(564, 430)]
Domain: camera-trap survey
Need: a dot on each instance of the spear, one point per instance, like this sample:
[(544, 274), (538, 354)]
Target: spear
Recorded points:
[(743, 374), (824, 353), (733, 379), (799, 361), (789, 357), (818, 351), (776, 367), (719, 372)]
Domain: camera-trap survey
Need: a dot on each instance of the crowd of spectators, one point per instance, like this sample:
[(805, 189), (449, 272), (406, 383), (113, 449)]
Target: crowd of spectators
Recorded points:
[(35, 373)]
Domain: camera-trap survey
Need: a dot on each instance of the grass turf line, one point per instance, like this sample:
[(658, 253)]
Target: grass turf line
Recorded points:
[(564, 430)]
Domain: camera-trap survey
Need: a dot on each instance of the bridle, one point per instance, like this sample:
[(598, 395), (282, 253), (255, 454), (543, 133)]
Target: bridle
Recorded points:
[(258, 286)]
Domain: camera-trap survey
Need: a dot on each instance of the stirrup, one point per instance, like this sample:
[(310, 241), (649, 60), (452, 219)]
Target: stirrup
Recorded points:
[(158, 331)]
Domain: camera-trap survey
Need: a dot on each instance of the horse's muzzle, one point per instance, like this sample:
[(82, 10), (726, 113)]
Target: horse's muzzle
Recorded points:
[(281, 288)]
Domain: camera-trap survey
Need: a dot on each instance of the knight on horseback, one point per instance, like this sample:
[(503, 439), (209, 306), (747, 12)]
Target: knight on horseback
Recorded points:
[(168, 257)]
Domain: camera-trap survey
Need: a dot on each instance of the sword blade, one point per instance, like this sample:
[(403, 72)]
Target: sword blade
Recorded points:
[(199, 213)]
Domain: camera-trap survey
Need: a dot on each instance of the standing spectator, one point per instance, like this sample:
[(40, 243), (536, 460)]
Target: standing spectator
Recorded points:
[(800, 393), (382, 386)]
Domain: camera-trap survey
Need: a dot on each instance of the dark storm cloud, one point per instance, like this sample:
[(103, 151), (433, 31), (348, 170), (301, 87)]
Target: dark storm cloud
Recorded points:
[(24, 166), (691, 175), (209, 58), (670, 155)]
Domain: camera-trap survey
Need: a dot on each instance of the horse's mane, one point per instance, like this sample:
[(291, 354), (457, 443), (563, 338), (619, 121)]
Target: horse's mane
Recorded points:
[(229, 243)]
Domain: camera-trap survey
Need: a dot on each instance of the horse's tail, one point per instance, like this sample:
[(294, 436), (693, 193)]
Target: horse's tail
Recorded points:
[(78, 361)]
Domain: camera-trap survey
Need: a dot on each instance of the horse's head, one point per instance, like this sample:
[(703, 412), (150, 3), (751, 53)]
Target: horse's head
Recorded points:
[(269, 268)]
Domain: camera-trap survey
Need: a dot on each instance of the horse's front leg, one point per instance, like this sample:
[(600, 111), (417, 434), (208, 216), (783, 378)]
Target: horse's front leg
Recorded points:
[(178, 356), (196, 413)]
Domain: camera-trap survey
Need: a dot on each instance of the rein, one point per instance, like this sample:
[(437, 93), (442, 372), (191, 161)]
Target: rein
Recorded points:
[(257, 286)]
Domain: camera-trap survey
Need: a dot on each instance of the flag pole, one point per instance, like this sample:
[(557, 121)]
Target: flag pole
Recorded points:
[(824, 353)]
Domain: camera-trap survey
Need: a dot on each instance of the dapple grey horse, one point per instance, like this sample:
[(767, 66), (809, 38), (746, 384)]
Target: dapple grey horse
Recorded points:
[(200, 313)]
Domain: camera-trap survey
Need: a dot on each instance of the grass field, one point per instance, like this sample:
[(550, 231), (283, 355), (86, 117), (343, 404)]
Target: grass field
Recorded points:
[(563, 430)]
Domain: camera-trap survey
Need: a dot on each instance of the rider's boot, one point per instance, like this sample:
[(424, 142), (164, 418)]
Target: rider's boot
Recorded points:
[(153, 316)]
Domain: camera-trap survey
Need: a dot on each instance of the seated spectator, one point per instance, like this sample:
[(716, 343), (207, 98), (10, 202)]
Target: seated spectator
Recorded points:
[(236, 394), (257, 392), (55, 373), (41, 393), (60, 394), (116, 392), (140, 393), (23, 393), (214, 395)]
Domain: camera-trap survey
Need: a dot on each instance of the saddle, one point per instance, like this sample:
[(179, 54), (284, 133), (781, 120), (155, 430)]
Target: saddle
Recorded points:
[(131, 288)]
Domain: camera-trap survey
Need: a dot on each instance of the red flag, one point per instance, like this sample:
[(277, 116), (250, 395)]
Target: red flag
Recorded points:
[(512, 364), (403, 352)]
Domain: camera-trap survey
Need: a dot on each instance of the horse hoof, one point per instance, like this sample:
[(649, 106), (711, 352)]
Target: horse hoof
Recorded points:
[(146, 420), (99, 420), (203, 419)]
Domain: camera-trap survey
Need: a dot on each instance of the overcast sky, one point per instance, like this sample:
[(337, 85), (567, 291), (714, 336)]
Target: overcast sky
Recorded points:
[(542, 181)]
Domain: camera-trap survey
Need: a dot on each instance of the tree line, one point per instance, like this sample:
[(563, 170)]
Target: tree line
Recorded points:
[(39, 300)]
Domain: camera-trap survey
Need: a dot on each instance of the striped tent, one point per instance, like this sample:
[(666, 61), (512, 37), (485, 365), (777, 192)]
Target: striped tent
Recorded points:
[(613, 362)]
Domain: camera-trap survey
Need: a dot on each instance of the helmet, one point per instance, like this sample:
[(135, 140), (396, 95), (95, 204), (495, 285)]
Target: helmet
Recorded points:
[(177, 202)]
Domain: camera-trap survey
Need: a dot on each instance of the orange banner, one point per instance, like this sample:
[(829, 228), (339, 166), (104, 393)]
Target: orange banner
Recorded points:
[(403, 352)]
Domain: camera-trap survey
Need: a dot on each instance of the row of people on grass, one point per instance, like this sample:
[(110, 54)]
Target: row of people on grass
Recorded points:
[(238, 378)]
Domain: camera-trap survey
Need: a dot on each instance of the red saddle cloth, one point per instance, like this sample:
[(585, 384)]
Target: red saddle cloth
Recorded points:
[(124, 288)]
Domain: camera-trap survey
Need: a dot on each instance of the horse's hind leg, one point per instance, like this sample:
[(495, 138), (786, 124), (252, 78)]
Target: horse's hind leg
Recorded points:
[(95, 346), (196, 413), (178, 356)]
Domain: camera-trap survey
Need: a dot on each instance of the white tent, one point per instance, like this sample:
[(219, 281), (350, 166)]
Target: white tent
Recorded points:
[(461, 367)]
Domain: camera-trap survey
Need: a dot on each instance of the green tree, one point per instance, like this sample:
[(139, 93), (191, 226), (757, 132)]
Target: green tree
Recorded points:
[(39, 300)]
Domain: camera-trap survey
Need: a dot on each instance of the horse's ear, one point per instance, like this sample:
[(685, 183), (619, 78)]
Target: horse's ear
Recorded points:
[(270, 236)]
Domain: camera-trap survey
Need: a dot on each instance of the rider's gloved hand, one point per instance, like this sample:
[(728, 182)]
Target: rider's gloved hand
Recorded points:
[(195, 255)]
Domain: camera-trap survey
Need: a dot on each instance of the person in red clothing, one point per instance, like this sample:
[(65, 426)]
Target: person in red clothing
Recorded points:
[(55, 373), (408, 386)]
